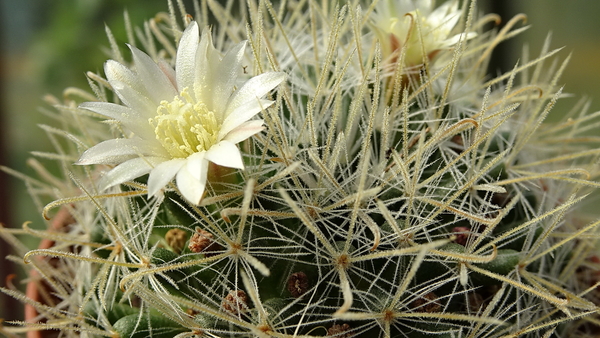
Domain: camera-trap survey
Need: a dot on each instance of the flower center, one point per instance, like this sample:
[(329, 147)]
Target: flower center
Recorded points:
[(185, 127)]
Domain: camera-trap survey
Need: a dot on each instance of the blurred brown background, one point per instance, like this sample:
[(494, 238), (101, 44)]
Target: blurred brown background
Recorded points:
[(47, 45)]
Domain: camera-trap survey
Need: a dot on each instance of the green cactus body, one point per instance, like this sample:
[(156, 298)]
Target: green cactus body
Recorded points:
[(154, 325)]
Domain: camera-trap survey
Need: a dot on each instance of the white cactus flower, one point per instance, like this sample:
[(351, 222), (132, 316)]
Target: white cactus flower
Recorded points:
[(415, 23), (181, 119)]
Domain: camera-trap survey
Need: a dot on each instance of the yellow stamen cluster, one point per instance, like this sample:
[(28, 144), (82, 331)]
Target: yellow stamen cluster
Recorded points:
[(185, 127)]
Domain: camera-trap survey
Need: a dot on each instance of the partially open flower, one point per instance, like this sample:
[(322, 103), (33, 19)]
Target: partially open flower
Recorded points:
[(176, 239), (236, 302), (180, 119), (426, 303), (203, 241), (418, 26), (298, 284), (340, 330)]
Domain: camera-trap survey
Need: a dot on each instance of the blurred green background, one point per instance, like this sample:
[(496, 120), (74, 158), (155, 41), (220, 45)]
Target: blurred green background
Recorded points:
[(47, 45)]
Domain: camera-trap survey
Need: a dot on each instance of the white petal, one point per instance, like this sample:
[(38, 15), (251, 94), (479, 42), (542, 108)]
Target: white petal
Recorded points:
[(132, 98), (128, 87), (447, 25), (191, 187), (186, 57), (127, 116), (129, 170), (225, 154), (443, 13), (119, 150), (157, 84), (227, 73), (454, 39), (425, 5), (169, 72), (195, 164), (242, 114), (162, 174), (110, 110), (244, 131), (205, 76), (254, 88)]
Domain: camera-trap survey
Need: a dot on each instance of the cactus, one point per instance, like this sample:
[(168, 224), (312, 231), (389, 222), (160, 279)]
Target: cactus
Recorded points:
[(390, 188)]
